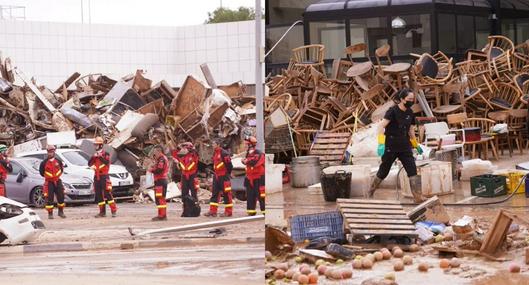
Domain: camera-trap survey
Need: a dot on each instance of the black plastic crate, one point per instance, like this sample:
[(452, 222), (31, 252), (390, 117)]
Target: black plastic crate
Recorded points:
[(488, 185), (309, 227), (336, 185)]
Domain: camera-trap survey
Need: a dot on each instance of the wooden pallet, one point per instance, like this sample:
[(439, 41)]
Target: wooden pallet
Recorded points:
[(376, 218), (330, 147)]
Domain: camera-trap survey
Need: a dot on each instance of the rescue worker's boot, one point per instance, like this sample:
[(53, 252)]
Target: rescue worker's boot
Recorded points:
[(50, 215), (61, 213), (374, 187), (415, 187), (212, 210), (102, 211), (162, 213), (157, 219), (210, 214), (228, 211)]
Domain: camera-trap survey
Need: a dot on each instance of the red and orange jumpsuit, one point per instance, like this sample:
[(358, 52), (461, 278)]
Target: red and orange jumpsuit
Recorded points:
[(100, 163), (221, 182), (188, 165), (159, 171), (51, 170), (255, 180), (5, 168)]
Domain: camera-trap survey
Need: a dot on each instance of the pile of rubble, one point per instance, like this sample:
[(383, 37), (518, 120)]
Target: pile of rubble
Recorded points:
[(131, 113)]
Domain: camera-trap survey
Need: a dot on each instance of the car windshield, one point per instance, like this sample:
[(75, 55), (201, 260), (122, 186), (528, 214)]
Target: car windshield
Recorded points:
[(78, 158)]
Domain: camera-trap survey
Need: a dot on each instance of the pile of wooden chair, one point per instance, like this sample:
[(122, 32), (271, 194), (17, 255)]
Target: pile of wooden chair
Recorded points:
[(490, 83)]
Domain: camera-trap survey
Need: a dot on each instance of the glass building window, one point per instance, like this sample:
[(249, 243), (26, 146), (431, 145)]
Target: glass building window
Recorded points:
[(283, 50), (482, 31), (414, 37), (522, 30), (331, 35), (508, 29), (371, 31), (465, 33), (446, 25)]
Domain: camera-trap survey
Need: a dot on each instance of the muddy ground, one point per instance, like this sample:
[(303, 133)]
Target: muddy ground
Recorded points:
[(235, 257), (474, 270)]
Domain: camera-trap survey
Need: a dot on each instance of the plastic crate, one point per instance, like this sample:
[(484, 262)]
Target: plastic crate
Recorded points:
[(488, 185), (335, 185), (309, 227), (513, 179)]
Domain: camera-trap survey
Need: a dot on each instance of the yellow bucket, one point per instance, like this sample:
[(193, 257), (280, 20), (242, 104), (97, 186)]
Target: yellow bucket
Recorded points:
[(513, 179)]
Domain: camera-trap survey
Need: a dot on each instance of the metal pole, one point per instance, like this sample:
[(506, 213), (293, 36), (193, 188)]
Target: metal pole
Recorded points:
[(259, 101)]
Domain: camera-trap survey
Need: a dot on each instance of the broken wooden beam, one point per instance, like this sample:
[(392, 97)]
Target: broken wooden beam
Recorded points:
[(35, 90)]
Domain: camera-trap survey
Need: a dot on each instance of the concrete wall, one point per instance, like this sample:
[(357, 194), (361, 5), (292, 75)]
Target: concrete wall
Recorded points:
[(53, 51)]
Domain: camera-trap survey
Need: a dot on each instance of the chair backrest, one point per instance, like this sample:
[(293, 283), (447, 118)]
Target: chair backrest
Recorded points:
[(435, 129), (517, 118), (520, 79), (456, 119), (484, 124), (339, 69), (428, 66), (356, 48), (382, 52), (308, 54)]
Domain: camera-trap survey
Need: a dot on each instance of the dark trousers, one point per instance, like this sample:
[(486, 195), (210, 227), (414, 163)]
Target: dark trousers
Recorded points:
[(407, 159), (52, 189), (221, 187), (103, 191), (255, 191), (190, 186)]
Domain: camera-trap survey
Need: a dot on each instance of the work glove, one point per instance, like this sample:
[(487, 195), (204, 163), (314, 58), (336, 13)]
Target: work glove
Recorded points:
[(381, 145), (416, 146)]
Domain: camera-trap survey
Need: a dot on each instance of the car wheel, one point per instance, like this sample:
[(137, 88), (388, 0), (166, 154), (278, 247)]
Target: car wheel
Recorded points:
[(37, 197)]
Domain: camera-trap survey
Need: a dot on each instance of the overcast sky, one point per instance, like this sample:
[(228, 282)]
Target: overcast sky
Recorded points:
[(129, 12)]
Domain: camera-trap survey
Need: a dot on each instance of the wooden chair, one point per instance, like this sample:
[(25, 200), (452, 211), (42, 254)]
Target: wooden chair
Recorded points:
[(499, 52), (521, 82), (309, 55), (453, 99), (369, 98), (431, 73), (502, 140), (517, 125), (356, 48), (521, 56), (382, 53), (507, 97), (486, 136)]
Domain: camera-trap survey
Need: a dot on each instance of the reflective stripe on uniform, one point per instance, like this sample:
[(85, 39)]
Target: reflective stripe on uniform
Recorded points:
[(49, 206), (101, 166), (182, 166), (111, 202), (219, 165), (191, 166), (161, 206), (159, 194), (227, 189), (58, 173), (61, 205), (48, 174), (263, 195), (213, 204), (101, 203), (251, 211), (228, 205)]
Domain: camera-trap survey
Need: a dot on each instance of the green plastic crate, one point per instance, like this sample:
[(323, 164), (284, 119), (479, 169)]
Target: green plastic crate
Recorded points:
[(488, 185)]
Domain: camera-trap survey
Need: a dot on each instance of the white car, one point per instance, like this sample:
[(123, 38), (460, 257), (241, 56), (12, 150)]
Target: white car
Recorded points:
[(76, 162), (18, 223)]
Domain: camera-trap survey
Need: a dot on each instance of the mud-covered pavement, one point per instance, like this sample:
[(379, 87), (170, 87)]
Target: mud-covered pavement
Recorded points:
[(474, 270), (82, 249)]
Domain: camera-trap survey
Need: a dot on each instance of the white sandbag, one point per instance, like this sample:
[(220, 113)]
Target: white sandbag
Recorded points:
[(364, 142)]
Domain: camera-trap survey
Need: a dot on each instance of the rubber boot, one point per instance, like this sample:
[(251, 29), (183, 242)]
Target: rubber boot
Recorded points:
[(50, 215), (416, 190), (61, 213), (157, 219), (210, 214), (374, 187), (102, 211)]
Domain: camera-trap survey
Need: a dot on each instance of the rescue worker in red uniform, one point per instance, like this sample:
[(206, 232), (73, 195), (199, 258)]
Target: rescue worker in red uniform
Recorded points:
[(222, 167), (5, 168), (187, 158), (255, 177), (159, 171), (100, 163), (51, 169)]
